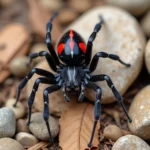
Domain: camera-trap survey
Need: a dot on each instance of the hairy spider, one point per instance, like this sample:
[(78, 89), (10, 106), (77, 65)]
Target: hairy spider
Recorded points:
[(73, 75)]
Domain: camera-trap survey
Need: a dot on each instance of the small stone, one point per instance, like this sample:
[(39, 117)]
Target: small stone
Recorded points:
[(139, 112), (51, 5), (112, 132), (121, 35), (146, 24), (18, 66), (80, 6), (67, 16), (19, 110), (39, 129), (36, 48), (136, 7), (26, 139), (147, 56), (7, 123), (21, 126), (130, 142), (10, 144)]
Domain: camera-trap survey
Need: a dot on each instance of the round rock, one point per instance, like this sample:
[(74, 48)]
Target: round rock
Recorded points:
[(147, 56), (9, 144), (57, 103), (26, 139), (39, 129), (130, 142), (136, 7), (112, 132), (7, 122), (139, 111), (121, 35), (19, 110)]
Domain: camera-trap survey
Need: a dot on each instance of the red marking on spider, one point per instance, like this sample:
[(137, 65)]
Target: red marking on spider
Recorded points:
[(71, 34), (60, 48), (82, 47)]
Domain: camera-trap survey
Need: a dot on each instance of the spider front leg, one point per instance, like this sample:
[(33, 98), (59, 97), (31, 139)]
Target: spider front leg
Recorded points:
[(96, 78), (46, 106), (90, 41), (34, 90), (97, 107), (95, 59), (49, 42), (48, 57), (28, 76)]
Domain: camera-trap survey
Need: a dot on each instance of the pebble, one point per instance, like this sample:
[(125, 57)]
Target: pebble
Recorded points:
[(130, 142), (26, 139), (57, 103), (51, 5), (147, 56), (80, 6), (18, 66), (120, 35), (112, 132), (21, 126), (39, 129), (10, 144), (67, 16), (146, 24), (19, 110), (139, 111), (7, 123), (136, 7), (36, 48)]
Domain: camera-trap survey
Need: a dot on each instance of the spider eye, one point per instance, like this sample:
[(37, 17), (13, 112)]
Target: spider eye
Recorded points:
[(82, 47), (60, 48)]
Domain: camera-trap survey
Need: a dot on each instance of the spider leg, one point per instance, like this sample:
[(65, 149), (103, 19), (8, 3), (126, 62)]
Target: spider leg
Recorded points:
[(49, 42), (95, 59), (28, 76), (46, 106), (34, 90), (48, 57), (65, 94), (90, 41), (119, 98), (97, 107), (81, 96)]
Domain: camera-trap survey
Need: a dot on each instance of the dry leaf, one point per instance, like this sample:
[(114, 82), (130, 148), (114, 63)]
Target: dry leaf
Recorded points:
[(38, 17), (39, 146), (76, 127), (14, 41)]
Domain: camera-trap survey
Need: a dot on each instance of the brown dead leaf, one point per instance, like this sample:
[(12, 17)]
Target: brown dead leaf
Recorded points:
[(38, 17), (76, 127), (14, 41)]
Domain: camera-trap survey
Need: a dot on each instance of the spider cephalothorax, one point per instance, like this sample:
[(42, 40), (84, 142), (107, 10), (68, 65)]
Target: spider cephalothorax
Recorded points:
[(73, 75)]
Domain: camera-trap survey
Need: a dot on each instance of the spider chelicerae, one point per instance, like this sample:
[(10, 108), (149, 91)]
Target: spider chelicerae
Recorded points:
[(73, 73)]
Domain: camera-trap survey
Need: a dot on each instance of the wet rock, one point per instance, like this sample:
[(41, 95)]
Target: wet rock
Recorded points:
[(39, 129), (7, 123), (130, 142), (136, 7), (57, 103), (140, 114), (18, 66), (26, 139), (10, 144), (147, 56), (21, 126), (19, 110), (146, 24), (112, 132), (120, 35)]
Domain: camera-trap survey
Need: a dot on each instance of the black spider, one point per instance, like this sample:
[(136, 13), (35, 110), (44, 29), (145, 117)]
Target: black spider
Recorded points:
[(73, 75)]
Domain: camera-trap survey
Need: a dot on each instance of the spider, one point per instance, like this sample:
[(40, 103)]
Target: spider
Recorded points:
[(73, 73)]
